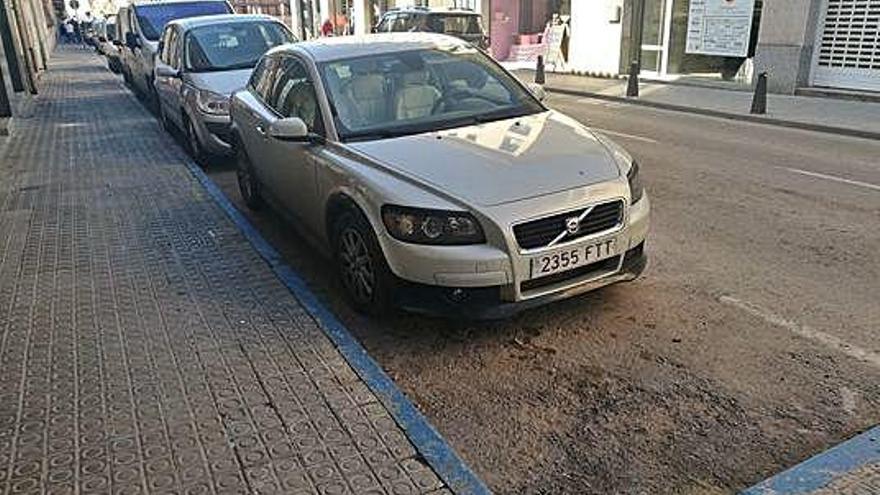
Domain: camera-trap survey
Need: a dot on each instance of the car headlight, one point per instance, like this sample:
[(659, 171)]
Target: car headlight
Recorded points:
[(636, 188), (212, 103), (418, 226)]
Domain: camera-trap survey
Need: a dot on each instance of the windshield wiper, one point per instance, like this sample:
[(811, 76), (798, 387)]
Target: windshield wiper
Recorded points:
[(221, 68), (376, 134)]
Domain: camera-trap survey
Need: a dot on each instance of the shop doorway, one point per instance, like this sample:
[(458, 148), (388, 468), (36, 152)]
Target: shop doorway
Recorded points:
[(663, 42)]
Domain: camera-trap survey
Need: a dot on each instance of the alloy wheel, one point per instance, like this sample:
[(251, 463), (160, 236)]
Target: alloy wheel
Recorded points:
[(358, 273)]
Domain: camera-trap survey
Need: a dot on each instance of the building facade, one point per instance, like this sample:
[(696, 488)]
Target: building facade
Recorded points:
[(28, 31), (799, 43)]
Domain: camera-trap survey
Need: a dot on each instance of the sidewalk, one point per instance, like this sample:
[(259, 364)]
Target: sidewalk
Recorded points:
[(853, 118), (146, 346)]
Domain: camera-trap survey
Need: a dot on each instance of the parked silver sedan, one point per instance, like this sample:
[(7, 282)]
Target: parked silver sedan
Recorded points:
[(201, 61), (437, 180)]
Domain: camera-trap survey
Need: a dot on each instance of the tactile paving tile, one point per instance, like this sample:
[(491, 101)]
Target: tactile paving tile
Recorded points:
[(145, 346)]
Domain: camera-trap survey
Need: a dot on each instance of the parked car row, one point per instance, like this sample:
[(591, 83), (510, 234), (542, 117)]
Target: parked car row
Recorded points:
[(437, 180)]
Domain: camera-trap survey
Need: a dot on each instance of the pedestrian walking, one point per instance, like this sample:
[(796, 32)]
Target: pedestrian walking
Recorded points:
[(69, 30), (327, 28)]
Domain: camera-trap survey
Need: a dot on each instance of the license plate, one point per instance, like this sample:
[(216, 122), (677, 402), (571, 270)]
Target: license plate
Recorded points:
[(572, 257)]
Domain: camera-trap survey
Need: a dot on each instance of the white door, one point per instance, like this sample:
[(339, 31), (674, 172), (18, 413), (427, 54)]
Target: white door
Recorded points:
[(848, 46)]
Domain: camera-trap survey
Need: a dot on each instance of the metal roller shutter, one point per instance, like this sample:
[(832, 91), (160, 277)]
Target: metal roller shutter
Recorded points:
[(848, 48)]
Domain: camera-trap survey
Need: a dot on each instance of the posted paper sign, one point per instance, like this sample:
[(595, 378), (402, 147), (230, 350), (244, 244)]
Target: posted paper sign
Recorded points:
[(720, 27)]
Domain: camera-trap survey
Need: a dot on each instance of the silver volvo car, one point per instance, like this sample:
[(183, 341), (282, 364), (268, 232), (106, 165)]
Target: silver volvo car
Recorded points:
[(438, 181)]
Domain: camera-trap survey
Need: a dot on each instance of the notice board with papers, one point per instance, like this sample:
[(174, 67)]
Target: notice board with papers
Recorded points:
[(720, 27)]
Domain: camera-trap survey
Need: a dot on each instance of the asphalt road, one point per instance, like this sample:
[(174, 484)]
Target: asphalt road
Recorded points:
[(750, 343)]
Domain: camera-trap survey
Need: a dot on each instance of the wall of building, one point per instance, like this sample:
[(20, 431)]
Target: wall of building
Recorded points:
[(786, 41), (595, 37)]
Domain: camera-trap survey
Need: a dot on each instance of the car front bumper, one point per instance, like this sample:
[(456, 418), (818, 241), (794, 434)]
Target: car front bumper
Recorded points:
[(214, 132), (487, 281), (486, 303)]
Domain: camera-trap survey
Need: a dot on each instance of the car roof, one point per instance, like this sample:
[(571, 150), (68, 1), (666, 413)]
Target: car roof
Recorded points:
[(339, 47), (207, 20), (139, 3)]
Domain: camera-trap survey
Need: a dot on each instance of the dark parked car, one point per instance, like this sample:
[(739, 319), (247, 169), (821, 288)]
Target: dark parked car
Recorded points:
[(461, 23)]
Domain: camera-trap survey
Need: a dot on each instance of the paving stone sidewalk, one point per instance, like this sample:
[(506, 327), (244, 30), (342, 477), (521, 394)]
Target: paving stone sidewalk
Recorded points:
[(145, 347)]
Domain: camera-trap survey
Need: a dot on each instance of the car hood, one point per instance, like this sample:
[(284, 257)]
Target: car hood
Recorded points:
[(500, 162), (221, 82)]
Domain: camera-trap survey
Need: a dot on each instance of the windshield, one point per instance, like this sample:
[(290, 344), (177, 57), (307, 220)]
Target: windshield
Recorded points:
[(237, 45), (153, 18), (380, 96), (455, 24)]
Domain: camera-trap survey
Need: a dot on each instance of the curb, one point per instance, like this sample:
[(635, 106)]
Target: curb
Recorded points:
[(427, 441), (792, 124), (817, 472)]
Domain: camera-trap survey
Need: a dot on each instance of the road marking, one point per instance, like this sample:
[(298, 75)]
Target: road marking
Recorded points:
[(833, 178), (625, 135), (823, 338), (600, 103)]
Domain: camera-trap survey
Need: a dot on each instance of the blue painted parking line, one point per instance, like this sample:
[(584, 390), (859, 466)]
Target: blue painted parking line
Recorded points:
[(817, 472), (426, 439)]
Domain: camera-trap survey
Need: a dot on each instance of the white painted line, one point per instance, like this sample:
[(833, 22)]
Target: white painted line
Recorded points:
[(625, 135), (599, 102), (823, 338), (833, 178)]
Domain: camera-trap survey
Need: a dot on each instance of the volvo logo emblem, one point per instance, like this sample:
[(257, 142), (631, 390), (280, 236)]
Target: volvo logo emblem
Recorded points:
[(572, 225)]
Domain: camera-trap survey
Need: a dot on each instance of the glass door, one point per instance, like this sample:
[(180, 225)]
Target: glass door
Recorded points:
[(653, 38)]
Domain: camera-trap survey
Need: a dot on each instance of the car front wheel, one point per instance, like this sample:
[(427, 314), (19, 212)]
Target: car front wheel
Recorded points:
[(362, 268), (194, 146), (248, 184)]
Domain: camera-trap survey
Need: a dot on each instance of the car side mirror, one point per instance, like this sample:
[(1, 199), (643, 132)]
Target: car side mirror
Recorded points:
[(289, 129), (132, 41), (538, 91), (167, 71)]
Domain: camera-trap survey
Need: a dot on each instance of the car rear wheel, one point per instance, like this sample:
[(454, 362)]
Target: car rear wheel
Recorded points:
[(360, 264), (248, 184)]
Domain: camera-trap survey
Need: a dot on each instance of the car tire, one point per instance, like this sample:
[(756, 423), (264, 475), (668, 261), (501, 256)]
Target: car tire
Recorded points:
[(248, 184), (193, 145), (360, 265)]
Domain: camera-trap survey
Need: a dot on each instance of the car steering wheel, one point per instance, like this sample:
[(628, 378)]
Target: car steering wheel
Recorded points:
[(460, 94)]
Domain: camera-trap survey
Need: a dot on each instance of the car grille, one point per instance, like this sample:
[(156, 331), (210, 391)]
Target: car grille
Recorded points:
[(539, 233)]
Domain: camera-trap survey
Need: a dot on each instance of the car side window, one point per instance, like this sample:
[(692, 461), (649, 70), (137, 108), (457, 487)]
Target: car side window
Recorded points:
[(402, 23), (264, 78), (176, 43), (387, 23), (295, 95), (166, 36)]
